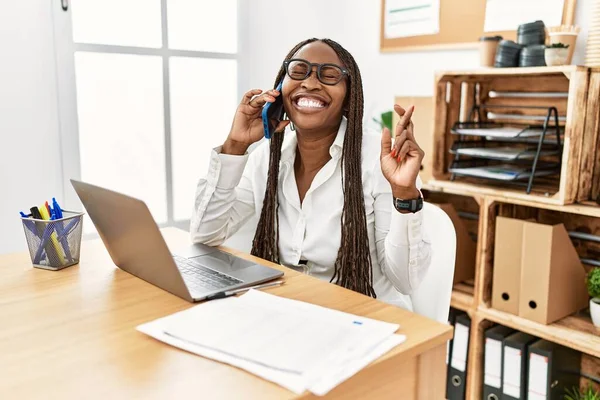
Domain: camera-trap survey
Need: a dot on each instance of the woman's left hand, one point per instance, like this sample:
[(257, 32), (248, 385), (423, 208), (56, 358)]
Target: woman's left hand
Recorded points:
[(401, 162)]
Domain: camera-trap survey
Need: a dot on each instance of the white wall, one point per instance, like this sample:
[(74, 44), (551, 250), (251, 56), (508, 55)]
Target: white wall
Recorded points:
[(30, 169)]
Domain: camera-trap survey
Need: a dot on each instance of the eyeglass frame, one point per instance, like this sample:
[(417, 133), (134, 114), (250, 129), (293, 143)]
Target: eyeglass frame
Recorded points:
[(309, 72)]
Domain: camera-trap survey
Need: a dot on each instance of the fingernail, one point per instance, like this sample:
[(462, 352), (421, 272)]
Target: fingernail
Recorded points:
[(399, 159), (394, 153)]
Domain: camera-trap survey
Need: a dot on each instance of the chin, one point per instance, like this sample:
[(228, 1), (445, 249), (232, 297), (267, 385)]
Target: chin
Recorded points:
[(309, 122)]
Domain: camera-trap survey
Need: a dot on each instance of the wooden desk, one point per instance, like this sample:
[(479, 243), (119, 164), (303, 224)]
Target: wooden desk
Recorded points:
[(71, 335)]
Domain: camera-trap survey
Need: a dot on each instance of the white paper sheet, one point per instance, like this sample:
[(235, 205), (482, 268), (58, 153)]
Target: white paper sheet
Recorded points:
[(512, 372), (405, 18), (507, 15), (305, 365)]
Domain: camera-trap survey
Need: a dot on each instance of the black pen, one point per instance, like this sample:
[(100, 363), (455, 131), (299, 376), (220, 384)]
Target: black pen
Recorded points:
[(227, 293)]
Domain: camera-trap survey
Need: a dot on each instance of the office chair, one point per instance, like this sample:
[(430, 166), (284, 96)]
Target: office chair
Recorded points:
[(432, 298)]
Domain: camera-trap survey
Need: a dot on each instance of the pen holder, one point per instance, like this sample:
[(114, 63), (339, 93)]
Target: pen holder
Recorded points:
[(54, 244)]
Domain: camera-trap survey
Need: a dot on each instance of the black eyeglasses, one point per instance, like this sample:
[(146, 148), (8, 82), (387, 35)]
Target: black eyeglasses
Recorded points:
[(328, 74)]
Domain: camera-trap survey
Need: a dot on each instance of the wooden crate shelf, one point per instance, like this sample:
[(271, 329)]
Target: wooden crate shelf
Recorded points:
[(575, 331), (463, 297), (578, 90), (575, 218), (571, 198)]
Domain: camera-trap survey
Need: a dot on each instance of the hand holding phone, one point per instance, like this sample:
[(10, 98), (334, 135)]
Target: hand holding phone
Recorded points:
[(248, 127)]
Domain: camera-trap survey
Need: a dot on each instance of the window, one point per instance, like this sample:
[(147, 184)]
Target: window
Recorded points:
[(154, 81)]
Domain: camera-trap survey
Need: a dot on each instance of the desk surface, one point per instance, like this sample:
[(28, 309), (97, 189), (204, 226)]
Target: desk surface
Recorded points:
[(71, 334)]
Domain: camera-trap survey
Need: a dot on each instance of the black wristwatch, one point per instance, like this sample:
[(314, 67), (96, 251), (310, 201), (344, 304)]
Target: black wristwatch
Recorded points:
[(411, 205)]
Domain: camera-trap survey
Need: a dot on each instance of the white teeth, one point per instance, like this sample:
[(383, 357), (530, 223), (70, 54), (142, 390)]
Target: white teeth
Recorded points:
[(310, 103)]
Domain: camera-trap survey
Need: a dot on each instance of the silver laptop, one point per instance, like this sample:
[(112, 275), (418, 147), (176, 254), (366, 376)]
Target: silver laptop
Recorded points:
[(136, 245)]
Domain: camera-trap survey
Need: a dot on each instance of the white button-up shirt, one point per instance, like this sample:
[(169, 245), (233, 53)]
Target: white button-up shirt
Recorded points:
[(233, 192)]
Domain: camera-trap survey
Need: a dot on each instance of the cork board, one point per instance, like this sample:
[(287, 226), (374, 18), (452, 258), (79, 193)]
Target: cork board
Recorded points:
[(459, 27)]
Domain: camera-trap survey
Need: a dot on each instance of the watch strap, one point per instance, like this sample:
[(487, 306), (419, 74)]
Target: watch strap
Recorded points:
[(411, 205)]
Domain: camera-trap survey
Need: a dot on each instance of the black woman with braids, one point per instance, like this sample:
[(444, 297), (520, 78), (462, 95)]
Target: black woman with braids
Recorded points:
[(330, 201)]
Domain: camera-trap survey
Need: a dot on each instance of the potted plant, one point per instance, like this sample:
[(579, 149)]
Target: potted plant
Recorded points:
[(566, 34), (556, 54), (593, 286), (576, 394)]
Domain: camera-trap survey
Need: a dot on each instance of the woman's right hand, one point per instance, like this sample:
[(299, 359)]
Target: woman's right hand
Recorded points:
[(247, 127)]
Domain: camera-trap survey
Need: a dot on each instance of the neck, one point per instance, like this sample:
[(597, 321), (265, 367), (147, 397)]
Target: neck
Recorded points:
[(313, 148)]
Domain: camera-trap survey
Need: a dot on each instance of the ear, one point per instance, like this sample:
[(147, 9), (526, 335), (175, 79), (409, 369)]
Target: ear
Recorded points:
[(346, 106)]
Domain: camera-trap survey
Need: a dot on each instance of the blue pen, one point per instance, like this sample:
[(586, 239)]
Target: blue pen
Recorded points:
[(57, 210)]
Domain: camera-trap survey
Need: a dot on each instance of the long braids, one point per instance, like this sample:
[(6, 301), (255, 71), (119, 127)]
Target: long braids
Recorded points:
[(353, 269)]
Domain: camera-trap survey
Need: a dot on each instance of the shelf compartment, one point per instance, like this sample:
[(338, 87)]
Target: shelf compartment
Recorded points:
[(458, 92), (575, 331)]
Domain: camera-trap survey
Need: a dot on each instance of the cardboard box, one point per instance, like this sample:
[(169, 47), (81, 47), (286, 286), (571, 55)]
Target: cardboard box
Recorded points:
[(537, 271), (552, 276), (507, 264), (466, 248)]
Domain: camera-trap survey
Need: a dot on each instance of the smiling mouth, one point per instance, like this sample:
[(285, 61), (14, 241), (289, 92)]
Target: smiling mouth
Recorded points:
[(309, 103)]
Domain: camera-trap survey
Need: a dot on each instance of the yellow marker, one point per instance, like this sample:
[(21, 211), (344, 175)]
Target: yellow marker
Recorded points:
[(53, 237)]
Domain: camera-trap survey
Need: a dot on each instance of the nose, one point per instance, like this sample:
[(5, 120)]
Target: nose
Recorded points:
[(311, 81)]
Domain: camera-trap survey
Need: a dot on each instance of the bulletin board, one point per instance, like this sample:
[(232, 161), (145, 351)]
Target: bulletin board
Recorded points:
[(460, 25)]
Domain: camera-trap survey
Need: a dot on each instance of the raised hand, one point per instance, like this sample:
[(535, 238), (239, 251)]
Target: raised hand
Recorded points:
[(401, 161), (247, 127)]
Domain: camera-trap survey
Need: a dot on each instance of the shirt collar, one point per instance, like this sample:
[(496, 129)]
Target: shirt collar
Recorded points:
[(288, 149)]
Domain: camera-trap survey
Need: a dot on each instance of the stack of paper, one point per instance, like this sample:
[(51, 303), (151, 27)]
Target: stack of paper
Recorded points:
[(297, 345)]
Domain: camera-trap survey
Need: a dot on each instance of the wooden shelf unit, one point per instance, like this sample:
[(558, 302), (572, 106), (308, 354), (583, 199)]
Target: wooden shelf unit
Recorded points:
[(463, 297), (575, 331), (572, 202), (573, 90)]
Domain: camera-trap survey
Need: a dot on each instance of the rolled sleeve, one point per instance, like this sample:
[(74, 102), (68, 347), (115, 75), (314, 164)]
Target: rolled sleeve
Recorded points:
[(228, 168)]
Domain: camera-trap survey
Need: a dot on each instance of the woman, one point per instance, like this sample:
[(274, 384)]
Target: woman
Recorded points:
[(324, 192)]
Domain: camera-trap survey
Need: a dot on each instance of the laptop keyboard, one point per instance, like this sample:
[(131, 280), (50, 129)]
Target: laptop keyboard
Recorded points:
[(201, 278)]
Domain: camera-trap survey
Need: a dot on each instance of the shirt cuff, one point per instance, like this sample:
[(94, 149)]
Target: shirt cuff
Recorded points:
[(406, 229), (228, 168)]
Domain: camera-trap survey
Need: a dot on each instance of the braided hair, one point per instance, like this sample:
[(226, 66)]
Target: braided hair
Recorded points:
[(353, 268)]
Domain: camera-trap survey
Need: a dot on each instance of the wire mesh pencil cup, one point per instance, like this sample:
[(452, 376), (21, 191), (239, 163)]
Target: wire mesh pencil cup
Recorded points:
[(54, 244)]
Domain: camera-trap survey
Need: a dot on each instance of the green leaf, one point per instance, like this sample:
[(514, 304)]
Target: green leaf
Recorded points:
[(593, 282), (573, 394), (386, 119)]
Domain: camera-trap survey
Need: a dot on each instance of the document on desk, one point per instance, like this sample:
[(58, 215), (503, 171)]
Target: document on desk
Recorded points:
[(297, 345)]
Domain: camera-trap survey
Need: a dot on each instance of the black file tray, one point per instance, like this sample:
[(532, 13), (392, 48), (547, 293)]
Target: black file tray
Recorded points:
[(505, 172), (500, 153), (492, 142), (492, 130)]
